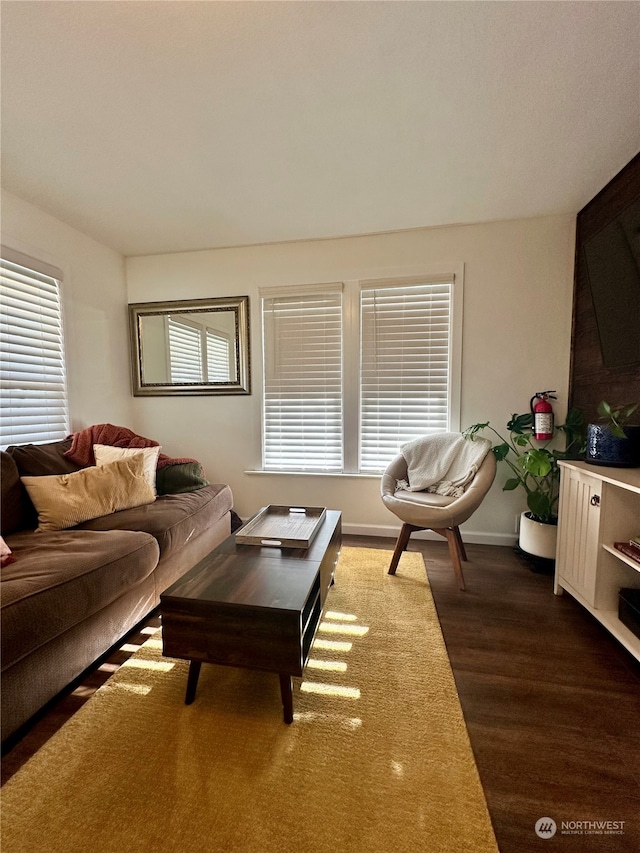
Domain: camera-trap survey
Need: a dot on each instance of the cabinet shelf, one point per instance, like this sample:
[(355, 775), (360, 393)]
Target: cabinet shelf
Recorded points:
[(609, 619), (634, 564), (598, 506)]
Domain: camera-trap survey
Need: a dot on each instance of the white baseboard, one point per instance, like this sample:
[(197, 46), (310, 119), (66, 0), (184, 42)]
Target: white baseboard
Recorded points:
[(475, 537)]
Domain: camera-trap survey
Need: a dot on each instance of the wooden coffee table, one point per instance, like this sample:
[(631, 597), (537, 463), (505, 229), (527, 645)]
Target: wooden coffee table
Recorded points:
[(252, 606)]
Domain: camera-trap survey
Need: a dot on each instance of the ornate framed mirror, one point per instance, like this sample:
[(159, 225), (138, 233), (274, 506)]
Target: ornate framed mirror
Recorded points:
[(190, 347)]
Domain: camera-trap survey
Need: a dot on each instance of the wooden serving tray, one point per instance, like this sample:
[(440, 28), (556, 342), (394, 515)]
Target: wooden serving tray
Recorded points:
[(282, 526)]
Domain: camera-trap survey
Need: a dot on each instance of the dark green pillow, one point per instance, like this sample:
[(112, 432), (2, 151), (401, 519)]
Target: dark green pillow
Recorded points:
[(176, 479)]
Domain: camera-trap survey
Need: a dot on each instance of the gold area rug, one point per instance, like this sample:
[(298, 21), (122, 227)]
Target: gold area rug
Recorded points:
[(377, 758)]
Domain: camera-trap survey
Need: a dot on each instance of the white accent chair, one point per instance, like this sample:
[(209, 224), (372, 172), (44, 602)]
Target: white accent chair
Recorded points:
[(428, 511)]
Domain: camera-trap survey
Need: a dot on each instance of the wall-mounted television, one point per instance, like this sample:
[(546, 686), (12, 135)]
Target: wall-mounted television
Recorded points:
[(612, 258)]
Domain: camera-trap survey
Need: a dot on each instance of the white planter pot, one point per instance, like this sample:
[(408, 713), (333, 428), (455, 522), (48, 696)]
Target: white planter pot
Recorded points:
[(537, 538)]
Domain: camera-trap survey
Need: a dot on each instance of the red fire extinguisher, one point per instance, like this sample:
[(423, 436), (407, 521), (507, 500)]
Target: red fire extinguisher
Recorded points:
[(542, 412)]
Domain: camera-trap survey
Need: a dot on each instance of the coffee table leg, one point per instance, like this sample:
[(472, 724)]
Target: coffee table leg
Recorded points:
[(286, 691), (192, 681)]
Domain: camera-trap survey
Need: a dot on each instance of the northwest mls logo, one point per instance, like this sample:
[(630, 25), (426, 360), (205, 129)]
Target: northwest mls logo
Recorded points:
[(546, 827)]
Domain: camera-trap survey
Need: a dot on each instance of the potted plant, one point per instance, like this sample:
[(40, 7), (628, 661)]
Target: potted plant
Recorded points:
[(615, 442), (534, 467)]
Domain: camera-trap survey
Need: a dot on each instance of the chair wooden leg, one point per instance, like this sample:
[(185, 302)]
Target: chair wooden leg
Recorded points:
[(461, 548), (457, 550), (452, 539), (401, 545)]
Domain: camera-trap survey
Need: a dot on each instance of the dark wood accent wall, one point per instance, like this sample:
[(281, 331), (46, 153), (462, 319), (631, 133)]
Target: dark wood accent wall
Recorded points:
[(590, 380)]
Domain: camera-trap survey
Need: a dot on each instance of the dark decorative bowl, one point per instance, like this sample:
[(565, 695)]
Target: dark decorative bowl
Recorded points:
[(604, 448)]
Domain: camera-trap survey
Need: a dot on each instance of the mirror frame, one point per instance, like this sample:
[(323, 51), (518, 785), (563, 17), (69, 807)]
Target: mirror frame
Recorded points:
[(139, 310)]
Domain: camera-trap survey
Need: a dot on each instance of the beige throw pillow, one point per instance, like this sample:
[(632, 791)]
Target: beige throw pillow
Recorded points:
[(64, 500), (105, 453)]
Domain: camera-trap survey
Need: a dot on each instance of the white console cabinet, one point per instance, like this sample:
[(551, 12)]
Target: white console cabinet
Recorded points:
[(598, 506)]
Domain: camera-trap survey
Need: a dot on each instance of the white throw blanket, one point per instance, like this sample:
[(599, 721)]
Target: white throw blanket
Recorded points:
[(444, 463)]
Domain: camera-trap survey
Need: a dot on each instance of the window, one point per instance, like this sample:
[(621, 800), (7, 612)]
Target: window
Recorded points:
[(354, 370), (219, 347), (185, 351), (196, 352), (404, 367), (302, 358), (33, 406)]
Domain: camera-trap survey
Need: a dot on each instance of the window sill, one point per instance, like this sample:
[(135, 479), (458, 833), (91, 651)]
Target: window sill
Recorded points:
[(340, 474)]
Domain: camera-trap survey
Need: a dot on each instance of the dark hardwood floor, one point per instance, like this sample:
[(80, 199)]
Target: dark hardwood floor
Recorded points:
[(551, 702)]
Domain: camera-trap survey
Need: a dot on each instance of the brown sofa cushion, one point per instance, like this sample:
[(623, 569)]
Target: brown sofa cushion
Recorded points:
[(173, 519), (35, 460), (17, 509), (60, 578)]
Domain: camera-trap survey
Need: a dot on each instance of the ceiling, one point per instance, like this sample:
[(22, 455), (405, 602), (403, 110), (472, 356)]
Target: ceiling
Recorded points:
[(170, 126)]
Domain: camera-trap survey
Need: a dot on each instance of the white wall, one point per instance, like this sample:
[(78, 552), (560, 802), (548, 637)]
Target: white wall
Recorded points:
[(95, 310), (516, 340)]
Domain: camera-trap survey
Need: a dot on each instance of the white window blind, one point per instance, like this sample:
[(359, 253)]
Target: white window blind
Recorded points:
[(302, 340), (218, 358), (33, 405), (185, 352), (404, 368)]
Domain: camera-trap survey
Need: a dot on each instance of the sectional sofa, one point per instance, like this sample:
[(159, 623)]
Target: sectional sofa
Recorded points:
[(68, 595)]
